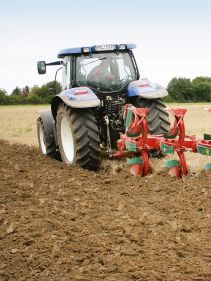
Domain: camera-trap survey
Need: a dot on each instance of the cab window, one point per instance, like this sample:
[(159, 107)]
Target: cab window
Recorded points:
[(67, 72)]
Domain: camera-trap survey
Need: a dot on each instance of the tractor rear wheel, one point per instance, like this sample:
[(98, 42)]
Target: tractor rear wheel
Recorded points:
[(78, 137), (157, 118), (46, 141)]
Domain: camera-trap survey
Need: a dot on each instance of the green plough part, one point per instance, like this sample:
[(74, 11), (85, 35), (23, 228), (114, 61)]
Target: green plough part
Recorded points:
[(207, 167), (128, 118), (131, 146), (171, 163), (132, 135), (167, 149), (134, 160), (207, 137), (204, 150), (127, 123)]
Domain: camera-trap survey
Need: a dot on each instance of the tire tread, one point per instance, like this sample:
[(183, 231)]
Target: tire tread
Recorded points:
[(157, 118), (86, 136)]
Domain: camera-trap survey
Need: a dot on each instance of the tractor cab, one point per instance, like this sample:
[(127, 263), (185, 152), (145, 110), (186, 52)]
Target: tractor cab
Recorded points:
[(103, 68), (105, 72)]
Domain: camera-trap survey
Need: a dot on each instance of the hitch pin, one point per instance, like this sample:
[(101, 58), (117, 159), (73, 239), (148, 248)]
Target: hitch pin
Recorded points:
[(106, 120)]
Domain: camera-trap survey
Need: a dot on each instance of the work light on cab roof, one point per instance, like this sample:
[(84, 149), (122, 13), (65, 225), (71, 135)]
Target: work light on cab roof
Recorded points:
[(95, 48)]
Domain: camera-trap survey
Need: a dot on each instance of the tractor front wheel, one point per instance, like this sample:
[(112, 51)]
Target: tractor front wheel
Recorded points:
[(78, 137)]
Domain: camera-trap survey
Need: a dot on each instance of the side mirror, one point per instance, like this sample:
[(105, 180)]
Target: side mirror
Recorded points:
[(41, 67), (52, 91)]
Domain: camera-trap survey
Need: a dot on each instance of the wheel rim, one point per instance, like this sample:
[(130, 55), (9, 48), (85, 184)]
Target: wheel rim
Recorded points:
[(67, 140), (42, 140)]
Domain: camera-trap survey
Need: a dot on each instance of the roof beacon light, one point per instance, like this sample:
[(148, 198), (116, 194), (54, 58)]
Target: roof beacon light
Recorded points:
[(122, 47), (85, 50)]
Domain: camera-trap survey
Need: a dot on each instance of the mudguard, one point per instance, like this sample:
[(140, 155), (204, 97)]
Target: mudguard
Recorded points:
[(81, 97), (146, 89)]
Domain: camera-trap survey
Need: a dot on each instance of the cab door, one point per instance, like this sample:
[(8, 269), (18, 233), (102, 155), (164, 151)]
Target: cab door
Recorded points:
[(67, 71)]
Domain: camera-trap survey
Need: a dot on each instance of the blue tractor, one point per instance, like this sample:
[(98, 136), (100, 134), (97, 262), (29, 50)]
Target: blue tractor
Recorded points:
[(88, 115)]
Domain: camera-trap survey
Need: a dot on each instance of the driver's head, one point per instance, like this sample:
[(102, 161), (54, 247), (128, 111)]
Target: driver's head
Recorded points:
[(105, 62)]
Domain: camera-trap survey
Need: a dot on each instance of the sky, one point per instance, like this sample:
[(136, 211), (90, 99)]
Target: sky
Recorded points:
[(173, 37)]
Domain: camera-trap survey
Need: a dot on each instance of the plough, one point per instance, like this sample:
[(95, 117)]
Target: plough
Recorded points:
[(137, 144)]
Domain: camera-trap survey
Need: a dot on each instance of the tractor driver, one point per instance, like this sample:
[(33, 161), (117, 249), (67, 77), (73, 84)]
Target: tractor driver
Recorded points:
[(101, 73)]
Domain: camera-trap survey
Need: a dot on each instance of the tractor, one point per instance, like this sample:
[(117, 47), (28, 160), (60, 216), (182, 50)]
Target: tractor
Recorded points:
[(87, 117)]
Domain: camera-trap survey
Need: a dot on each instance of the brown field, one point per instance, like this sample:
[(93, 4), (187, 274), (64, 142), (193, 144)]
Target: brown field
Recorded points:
[(61, 223), (18, 125)]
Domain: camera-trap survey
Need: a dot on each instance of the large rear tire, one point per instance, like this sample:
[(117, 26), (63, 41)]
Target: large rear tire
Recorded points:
[(46, 140), (157, 118), (78, 137)]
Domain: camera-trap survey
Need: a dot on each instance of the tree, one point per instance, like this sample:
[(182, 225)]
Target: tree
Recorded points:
[(180, 89), (201, 79), (202, 89), (40, 95), (33, 99), (25, 91), (2, 96), (16, 92)]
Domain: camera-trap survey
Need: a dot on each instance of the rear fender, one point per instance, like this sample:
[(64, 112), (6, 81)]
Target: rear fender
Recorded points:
[(80, 97), (146, 89)]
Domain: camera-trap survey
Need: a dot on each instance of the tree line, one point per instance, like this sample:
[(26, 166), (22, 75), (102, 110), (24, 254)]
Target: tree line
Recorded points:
[(34, 95), (186, 90), (179, 89)]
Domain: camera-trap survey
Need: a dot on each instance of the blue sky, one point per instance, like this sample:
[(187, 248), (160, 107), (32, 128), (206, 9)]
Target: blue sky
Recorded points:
[(173, 38)]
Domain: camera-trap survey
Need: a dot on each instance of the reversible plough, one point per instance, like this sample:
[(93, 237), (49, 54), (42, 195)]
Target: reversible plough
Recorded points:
[(137, 144)]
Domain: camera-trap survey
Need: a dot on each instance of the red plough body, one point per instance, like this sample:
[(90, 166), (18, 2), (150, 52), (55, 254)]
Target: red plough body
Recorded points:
[(138, 144)]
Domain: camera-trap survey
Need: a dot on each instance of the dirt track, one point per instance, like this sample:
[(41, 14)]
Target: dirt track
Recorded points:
[(62, 223)]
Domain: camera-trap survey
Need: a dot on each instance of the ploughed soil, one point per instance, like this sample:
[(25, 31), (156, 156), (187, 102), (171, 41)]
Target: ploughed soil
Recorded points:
[(64, 223)]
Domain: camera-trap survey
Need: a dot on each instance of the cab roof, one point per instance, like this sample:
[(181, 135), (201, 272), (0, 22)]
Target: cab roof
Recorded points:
[(95, 49)]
